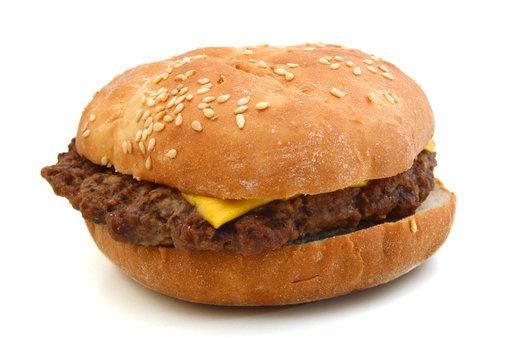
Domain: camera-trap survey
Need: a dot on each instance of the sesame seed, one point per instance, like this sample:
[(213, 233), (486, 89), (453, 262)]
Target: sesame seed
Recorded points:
[(124, 147), (202, 90), (150, 102), (396, 99), (323, 61), (174, 91), (201, 56), (243, 101), (383, 68), (145, 133), (142, 147), (171, 154), (160, 115), (196, 125), (86, 133), (178, 108), (180, 77), (190, 73), (208, 86), (208, 113), (179, 100), (368, 61), (371, 97), (320, 45), (146, 114), (309, 48), (148, 163), (188, 97), (203, 105), (241, 109), (289, 76), (240, 120), (91, 117), (104, 160), (339, 58), (337, 93), (262, 64), (203, 81), (389, 98), (157, 127), (357, 71), (222, 98), (148, 122), (168, 118), (183, 90), (138, 114), (151, 144), (374, 58), (387, 75), (209, 99), (161, 77), (85, 126), (349, 63), (334, 66), (178, 121), (168, 69), (262, 105), (177, 65), (161, 97), (143, 101), (248, 52), (371, 69), (138, 135), (328, 58), (292, 65), (280, 71), (171, 103), (413, 225), (130, 147), (252, 60)]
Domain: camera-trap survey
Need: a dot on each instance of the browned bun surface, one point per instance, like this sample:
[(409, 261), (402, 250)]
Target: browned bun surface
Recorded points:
[(291, 274), (335, 117)]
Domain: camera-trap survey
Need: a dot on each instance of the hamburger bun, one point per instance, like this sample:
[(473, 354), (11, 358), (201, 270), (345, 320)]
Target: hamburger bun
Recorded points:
[(291, 274), (307, 141)]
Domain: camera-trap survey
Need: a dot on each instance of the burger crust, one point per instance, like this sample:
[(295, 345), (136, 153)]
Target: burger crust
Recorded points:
[(292, 274), (308, 141)]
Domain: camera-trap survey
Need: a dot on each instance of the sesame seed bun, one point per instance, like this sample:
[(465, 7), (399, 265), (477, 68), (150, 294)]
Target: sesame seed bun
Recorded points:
[(291, 274), (261, 122)]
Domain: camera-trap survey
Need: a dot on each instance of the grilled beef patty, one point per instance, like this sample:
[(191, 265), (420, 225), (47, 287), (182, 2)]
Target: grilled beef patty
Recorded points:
[(144, 213)]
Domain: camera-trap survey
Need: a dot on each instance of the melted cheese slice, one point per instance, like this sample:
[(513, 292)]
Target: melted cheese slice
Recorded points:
[(218, 211), (430, 146)]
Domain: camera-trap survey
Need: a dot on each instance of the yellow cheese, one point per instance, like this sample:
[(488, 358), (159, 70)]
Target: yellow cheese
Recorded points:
[(217, 211), (430, 146), (361, 184)]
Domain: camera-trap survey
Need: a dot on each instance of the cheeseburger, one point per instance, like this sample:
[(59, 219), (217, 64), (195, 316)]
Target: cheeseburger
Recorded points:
[(259, 175)]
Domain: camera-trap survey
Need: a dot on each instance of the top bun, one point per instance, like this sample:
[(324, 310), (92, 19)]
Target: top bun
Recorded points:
[(313, 119)]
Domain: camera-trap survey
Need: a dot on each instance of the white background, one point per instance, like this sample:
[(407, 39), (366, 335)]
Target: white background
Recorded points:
[(62, 299)]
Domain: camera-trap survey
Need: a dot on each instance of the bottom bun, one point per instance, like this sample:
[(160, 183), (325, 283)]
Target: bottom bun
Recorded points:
[(291, 274)]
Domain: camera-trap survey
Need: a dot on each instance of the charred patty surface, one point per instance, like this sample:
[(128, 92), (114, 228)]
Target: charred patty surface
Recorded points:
[(144, 213)]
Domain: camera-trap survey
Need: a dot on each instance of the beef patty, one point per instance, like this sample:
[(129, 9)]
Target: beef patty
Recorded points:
[(144, 213)]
